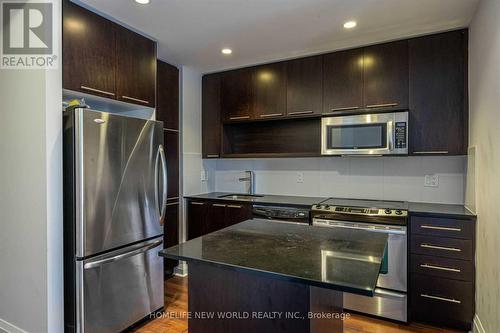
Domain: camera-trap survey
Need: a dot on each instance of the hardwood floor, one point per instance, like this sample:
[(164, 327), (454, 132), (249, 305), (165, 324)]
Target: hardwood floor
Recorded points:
[(176, 304)]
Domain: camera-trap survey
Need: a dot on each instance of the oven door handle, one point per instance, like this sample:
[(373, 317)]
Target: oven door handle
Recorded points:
[(348, 225)]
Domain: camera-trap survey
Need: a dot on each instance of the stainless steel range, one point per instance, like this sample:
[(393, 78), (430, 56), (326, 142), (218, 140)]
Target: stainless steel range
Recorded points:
[(390, 217)]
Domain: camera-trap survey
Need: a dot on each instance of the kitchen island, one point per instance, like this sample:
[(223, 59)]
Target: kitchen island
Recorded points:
[(266, 276)]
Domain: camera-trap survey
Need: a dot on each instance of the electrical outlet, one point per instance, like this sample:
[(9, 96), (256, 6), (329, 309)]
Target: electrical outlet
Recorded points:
[(203, 176), (300, 177), (431, 181)]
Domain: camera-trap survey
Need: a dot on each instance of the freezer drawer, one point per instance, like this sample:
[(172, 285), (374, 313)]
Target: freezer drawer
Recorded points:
[(385, 303), (118, 289)]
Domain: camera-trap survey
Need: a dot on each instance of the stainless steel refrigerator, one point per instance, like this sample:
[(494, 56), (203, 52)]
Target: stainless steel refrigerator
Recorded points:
[(115, 190)]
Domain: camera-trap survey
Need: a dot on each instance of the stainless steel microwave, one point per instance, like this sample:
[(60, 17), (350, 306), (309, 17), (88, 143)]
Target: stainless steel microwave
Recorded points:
[(365, 134)]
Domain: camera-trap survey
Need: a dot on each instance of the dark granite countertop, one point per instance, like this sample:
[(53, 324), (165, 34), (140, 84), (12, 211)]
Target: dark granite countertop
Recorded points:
[(263, 199), (413, 207), (340, 259), (423, 208)]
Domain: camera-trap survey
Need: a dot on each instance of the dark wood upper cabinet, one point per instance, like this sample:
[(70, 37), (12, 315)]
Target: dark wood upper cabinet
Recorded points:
[(438, 94), (269, 86), (211, 117), (167, 87), (171, 142), (385, 76), (88, 52), (136, 68), (103, 58), (343, 81), (237, 95), (304, 86)]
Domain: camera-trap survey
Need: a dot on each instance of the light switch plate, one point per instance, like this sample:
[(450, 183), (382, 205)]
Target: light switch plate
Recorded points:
[(300, 177), (203, 176), (431, 181)]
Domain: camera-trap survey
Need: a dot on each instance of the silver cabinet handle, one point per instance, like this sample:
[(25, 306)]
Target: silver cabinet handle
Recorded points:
[(135, 99), (122, 255), (97, 90), (450, 300), (431, 152), (172, 203), (271, 115), (344, 108), (212, 155), (197, 203), (444, 248), (218, 205), (440, 268), (385, 105), (233, 206), (171, 130), (440, 228), (239, 118), (296, 113)]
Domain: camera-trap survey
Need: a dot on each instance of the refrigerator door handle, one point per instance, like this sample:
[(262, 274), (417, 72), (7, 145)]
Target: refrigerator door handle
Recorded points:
[(165, 184), (123, 255)]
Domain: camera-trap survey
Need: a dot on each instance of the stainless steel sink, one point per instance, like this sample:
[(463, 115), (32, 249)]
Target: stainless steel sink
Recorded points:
[(248, 197)]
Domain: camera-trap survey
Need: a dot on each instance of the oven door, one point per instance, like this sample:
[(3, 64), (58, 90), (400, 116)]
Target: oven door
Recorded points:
[(393, 274), (368, 134)]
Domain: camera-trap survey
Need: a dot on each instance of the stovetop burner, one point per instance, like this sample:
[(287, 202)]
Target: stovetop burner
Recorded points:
[(377, 211), (366, 203)]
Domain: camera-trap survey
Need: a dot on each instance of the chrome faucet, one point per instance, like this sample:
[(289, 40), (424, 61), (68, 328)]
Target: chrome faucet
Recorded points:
[(250, 178)]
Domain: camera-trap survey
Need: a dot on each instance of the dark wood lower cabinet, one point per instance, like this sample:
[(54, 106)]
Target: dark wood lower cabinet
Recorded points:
[(442, 271), (171, 234), (206, 216)]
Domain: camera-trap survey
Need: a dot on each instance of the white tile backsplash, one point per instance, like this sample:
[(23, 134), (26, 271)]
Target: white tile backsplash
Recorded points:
[(390, 178)]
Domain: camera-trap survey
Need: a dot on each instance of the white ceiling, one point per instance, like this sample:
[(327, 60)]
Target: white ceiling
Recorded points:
[(192, 32)]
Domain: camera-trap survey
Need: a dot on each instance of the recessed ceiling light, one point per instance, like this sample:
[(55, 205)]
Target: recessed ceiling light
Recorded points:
[(226, 51), (350, 24), (142, 2)]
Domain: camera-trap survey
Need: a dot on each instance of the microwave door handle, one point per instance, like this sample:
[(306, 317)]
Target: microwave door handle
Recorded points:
[(390, 136)]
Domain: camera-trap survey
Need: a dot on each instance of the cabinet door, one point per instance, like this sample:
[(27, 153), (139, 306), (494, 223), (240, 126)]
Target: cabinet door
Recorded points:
[(167, 87), (216, 217), (211, 120), (236, 213), (136, 68), (438, 94), (269, 98), (89, 52), (196, 218), (304, 86), (385, 68), (343, 81), (171, 143), (236, 95), (171, 233)]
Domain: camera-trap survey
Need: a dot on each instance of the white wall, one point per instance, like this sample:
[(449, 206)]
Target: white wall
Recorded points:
[(484, 91), (390, 178), (31, 280), (192, 164)]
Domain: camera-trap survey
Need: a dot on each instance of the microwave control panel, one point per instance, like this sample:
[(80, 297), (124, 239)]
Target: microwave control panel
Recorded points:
[(400, 135)]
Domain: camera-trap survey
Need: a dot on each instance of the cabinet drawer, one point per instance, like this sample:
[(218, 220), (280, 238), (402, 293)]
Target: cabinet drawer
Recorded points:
[(442, 247), (442, 267), (442, 301), (444, 227)]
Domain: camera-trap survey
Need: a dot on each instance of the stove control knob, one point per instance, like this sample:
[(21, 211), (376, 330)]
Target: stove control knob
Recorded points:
[(388, 211), (399, 212)]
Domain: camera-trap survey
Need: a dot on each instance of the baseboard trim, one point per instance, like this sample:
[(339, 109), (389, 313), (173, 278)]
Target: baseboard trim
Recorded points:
[(478, 326), (181, 270), (10, 328)]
